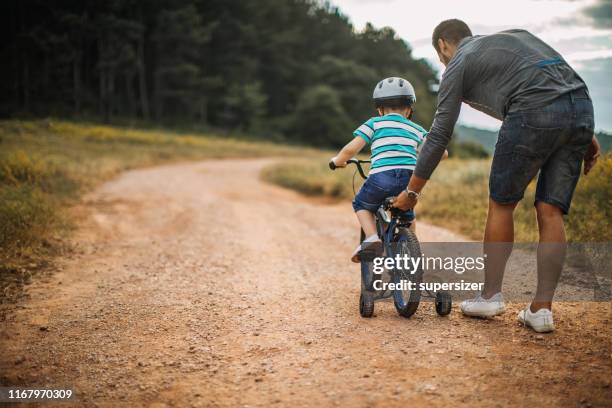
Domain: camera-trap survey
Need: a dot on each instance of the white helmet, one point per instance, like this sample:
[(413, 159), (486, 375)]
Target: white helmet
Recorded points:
[(394, 88)]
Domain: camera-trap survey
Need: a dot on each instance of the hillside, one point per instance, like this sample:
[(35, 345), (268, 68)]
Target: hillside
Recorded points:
[(484, 137), (487, 138)]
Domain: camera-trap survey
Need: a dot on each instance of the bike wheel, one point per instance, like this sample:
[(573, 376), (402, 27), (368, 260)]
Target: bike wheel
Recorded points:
[(366, 304), (367, 274), (444, 303), (367, 277), (406, 301)]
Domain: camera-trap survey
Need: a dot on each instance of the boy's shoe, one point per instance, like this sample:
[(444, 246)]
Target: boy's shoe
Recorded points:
[(481, 307), (540, 321), (370, 248)]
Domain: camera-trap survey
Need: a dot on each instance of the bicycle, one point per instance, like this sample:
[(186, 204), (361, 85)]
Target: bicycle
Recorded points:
[(393, 228)]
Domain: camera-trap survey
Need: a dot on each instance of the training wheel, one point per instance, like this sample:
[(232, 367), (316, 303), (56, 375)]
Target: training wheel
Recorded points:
[(444, 303), (366, 304)]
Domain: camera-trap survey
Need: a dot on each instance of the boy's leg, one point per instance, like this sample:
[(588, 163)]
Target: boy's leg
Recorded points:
[(371, 242), (367, 221)]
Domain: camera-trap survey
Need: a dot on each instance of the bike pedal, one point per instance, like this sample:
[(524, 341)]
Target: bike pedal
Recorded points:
[(367, 255)]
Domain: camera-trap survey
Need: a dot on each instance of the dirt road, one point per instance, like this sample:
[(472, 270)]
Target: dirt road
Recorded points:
[(199, 285)]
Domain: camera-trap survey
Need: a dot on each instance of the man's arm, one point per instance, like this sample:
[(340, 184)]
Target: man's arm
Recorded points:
[(449, 106), (438, 138)]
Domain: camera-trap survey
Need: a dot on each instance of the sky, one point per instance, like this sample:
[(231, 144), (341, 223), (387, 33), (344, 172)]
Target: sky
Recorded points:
[(581, 30)]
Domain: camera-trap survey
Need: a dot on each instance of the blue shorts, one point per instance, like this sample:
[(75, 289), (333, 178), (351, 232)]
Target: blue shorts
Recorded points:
[(551, 140), (379, 186)]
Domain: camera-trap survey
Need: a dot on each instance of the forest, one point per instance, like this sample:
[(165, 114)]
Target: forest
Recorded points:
[(283, 70)]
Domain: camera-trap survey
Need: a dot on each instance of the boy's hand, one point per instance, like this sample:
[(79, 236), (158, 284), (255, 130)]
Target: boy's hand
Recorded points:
[(335, 161)]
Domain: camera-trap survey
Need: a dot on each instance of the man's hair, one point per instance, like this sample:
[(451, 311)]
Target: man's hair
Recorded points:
[(451, 31)]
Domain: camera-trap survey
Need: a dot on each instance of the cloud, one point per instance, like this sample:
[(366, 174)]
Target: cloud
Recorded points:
[(596, 74), (579, 30), (600, 14)]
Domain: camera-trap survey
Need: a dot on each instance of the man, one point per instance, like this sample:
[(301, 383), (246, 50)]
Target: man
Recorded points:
[(547, 127)]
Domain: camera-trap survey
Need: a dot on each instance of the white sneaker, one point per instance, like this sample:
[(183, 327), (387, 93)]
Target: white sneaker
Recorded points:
[(372, 244), (481, 307), (540, 321)]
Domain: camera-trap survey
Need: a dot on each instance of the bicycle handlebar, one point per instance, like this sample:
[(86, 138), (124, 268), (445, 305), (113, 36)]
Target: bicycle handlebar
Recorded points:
[(388, 204), (354, 161)]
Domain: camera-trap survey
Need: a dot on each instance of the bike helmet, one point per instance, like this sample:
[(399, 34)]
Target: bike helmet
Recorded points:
[(394, 88)]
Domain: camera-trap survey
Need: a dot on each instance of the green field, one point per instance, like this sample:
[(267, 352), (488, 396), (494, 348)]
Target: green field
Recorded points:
[(46, 165), (456, 197)]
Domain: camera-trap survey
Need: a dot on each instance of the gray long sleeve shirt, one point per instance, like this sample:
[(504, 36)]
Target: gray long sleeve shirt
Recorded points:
[(496, 74)]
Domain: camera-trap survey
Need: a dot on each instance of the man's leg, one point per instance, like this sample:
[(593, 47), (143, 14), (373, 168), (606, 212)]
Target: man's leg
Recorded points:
[(551, 254), (498, 239)]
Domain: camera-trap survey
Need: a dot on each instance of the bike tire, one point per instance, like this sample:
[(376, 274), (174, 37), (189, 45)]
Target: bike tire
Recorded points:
[(444, 303), (366, 304), (406, 243)]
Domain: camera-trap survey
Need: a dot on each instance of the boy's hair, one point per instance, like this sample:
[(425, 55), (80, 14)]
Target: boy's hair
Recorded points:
[(396, 103), (452, 31)]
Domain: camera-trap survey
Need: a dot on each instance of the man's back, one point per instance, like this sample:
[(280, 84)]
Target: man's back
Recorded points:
[(510, 71), (497, 74)]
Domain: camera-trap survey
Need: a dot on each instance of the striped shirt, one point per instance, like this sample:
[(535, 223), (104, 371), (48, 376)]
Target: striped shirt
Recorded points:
[(393, 140)]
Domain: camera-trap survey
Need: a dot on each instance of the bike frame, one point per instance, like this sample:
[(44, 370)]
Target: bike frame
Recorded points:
[(385, 224), (389, 227)]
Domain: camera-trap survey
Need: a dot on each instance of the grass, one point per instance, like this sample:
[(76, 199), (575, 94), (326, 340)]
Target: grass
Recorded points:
[(457, 195), (46, 165), (312, 177)]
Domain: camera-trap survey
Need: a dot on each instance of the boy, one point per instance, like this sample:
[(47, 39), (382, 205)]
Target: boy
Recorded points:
[(394, 140)]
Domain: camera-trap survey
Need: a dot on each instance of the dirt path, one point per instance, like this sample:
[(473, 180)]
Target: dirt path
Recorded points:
[(199, 285)]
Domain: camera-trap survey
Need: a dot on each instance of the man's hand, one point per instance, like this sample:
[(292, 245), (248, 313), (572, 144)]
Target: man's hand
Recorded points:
[(591, 156), (404, 201)]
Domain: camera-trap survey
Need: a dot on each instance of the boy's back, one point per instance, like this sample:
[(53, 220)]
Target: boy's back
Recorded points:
[(394, 141)]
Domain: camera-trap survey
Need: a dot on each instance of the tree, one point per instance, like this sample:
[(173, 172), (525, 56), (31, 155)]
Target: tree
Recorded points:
[(117, 57), (320, 119), (179, 35), (245, 107), (353, 83), (233, 64)]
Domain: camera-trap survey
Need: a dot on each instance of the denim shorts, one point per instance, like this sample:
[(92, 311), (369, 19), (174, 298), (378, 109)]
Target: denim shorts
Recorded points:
[(551, 140), (379, 186)]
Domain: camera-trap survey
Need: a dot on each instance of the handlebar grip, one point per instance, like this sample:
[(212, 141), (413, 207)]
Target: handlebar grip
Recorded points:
[(388, 203), (332, 165)]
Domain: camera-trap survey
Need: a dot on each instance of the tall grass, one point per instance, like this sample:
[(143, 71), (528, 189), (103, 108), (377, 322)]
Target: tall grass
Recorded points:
[(45, 165), (591, 211), (312, 177), (457, 197)]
